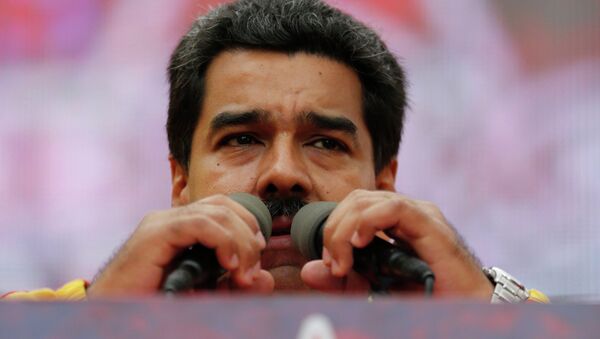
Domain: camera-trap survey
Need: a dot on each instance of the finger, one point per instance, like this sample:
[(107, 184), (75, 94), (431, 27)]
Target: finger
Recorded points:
[(245, 277), (336, 239), (412, 217), (340, 227), (219, 228), (189, 229), (383, 215), (185, 218), (239, 209), (422, 225), (411, 221), (318, 276), (247, 244), (356, 200), (262, 283)]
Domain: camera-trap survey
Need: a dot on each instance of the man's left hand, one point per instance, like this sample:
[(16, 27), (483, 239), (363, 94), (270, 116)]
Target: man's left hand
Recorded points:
[(356, 220)]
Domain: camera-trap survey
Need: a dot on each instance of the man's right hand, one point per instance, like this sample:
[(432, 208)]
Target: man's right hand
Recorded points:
[(218, 222)]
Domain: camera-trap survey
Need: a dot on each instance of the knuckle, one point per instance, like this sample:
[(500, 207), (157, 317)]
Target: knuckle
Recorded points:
[(362, 202), (431, 210), (199, 223), (220, 214), (152, 218), (217, 199), (227, 238), (435, 210), (188, 210), (174, 229), (246, 250), (328, 230), (428, 205), (253, 222), (251, 251), (256, 245), (250, 222), (399, 204), (336, 238), (357, 193), (151, 226)]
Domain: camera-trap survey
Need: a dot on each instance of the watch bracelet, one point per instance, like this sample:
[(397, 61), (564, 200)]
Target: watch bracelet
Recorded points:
[(508, 289)]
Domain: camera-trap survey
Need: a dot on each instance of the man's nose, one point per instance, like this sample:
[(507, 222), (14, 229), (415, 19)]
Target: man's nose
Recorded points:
[(284, 172)]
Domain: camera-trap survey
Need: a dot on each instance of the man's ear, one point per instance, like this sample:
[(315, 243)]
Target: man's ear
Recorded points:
[(179, 189), (386, 179)]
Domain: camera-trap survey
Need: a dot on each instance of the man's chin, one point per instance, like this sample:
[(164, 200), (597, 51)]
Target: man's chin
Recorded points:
[(280, 252), (285, 266), (287, 278)]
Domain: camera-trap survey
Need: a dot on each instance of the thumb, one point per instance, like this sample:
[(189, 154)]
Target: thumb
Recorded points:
[(318, 276), (263, 283)]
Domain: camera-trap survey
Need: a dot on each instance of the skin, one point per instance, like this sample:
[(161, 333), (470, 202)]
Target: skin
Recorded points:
[(258, 133)]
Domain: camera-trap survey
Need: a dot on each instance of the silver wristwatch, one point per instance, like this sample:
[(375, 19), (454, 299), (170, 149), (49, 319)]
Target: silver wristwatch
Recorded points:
[(508, 289)]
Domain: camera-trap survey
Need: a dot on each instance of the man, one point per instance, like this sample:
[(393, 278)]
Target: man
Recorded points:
[(294, 102)]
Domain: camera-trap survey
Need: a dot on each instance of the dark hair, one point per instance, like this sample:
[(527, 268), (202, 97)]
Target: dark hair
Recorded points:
[(289, 26)]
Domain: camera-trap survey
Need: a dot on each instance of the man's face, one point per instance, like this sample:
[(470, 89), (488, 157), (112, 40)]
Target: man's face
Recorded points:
[(279, 125)]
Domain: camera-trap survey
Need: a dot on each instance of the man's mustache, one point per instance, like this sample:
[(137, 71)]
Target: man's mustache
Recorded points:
[(288, 206)]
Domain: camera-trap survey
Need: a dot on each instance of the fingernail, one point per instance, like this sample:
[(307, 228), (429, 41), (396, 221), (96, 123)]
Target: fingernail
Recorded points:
[(326, 257), (252, 272), (261, 239), (234, 261), (355, 240), (335, 267)]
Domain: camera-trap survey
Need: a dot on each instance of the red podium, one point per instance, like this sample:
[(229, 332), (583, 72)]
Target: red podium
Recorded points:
[(300, 316)]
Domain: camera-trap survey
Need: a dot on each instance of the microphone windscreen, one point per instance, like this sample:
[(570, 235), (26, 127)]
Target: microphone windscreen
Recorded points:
[(307, 225), (258, 209)]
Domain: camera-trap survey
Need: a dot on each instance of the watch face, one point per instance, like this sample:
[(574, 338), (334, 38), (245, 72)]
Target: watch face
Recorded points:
[(508, 289)]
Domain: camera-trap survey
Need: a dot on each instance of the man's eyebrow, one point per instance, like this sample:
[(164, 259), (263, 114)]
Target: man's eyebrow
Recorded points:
[(337, 123), (228, 119)]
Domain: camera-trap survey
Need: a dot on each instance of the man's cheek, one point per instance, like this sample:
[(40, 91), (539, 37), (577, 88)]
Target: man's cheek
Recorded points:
[(238, 179)]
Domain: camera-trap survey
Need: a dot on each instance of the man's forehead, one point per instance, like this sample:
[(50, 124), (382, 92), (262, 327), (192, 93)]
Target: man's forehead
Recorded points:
[(275, 85), (251, 65)]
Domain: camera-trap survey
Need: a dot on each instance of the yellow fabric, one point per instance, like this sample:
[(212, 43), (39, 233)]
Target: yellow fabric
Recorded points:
[(538, 297), (73, 290)]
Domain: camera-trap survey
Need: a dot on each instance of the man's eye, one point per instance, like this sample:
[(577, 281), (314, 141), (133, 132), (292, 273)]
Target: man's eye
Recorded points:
[(329, 144), (240, 140)]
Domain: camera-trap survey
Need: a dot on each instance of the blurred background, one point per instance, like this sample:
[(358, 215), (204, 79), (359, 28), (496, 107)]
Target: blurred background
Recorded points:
[(502, 133)]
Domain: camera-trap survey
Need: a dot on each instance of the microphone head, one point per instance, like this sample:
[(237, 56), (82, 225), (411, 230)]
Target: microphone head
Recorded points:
[(307, 225), (258, 209)]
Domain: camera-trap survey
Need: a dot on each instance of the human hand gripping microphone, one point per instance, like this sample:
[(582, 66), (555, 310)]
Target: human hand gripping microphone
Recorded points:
[(198, 265), (381, 262)]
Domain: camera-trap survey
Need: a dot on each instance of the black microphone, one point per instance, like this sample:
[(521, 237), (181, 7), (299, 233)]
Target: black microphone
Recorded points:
[(199, 266), (381, 262)]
